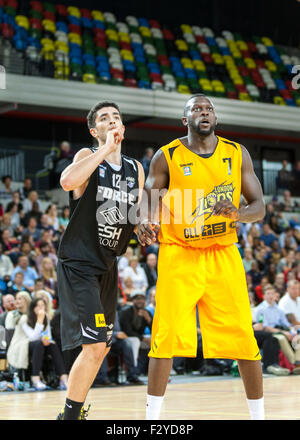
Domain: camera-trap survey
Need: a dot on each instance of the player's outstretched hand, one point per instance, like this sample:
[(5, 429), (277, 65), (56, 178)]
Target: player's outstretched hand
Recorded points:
[(146, 232), (226, 209)]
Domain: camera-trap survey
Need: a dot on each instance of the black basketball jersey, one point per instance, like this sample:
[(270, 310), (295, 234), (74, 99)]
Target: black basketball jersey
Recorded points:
[(102, 220)]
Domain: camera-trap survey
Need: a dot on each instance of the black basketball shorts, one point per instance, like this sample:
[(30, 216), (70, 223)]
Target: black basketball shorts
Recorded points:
[(87, 303)]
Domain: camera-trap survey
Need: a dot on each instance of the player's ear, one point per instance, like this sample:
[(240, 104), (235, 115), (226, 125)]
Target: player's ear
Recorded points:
[(184, 120), (93, 132)]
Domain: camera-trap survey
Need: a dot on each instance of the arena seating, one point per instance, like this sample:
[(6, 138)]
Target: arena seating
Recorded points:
[(69, 43)]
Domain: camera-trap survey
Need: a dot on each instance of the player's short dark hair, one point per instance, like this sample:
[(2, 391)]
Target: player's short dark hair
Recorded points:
[(196, 95), (91, 117)]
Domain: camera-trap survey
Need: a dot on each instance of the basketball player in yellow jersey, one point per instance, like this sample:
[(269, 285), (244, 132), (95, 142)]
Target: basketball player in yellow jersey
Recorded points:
[(202, 177)]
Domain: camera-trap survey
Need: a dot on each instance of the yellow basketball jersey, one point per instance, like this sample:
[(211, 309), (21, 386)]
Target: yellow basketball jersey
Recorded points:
[(196, 184)]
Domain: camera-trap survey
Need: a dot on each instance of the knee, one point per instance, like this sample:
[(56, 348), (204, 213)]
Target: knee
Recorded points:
[(95, 352)]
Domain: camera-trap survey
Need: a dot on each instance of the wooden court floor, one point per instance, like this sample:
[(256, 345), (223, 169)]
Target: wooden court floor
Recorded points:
[(206, 400)]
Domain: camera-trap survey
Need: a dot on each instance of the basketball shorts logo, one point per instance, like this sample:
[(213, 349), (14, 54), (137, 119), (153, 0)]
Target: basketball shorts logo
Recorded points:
[(100, 320)]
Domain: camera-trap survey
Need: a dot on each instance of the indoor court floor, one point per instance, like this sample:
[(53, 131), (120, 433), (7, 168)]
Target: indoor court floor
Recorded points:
[(187, 398)]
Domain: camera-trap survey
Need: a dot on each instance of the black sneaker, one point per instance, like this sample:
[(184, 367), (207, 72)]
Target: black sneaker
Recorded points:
[(83, 414), (135, 381)]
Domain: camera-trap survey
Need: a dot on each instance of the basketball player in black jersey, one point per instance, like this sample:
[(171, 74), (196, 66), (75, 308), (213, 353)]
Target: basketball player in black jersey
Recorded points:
[(104, 190)]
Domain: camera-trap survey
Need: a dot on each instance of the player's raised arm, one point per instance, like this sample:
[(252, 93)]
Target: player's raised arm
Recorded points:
[(157, 181), (85, 162)]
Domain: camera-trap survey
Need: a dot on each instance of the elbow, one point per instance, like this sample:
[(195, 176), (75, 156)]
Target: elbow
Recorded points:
[(65, 184)]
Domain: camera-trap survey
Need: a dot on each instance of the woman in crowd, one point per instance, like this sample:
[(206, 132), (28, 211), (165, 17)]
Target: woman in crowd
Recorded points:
[(38, 331), (136, 273), (48, 275)]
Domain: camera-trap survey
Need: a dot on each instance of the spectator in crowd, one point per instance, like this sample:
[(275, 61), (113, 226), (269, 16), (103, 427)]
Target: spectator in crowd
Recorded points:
[(60, 162), (122, 346), (151, 303), (44, 251), (27, 250), (134, 320), (285, 177), (16, 284), (44, 224), (32, 197), (39, 285), (38, 330), (287, 240), (6, 224), (26, 188), (279, 283), (128, 289), (32, 230), (290, 302), (29, 273), (48, 275), (136, 273), (34, 212), (8, 304), (17, 353), (267, 235), (274, 321), (6, 265), (64, 218), (255, 274), (248, 259), (287, 205), (146, 160), (51, 212), (123, 261), (285, 263), (6, 187), (48, 301), (150, 268)]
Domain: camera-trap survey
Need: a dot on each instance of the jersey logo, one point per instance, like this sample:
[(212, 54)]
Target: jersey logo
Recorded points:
[(102, 170), (112, 215), (220, 192), (187, 171)]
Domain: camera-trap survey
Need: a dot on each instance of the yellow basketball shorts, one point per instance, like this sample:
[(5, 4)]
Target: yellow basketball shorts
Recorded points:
[(212, 279)]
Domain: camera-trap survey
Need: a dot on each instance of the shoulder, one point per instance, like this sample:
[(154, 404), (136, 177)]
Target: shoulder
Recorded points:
[(83, 152)]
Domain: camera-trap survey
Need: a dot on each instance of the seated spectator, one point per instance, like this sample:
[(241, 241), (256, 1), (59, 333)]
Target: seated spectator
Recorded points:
[(248, 259), (48, 301), (290, 302), (133, 322), (48, 275), (293, 272), (32, 230), (286, 262), (44, 224), (146, 160), (122, 346), (259, 289), (27, 250), (51, 212), (16, 214), (287, 205), (275, 225), (39, 285), (30, 273), (26, 188), (44, 251), (286, 239), (10, 245), (8, 304), (137, 274), (28, 202), (150, 268), (6, 189), (6, 265), (275, 254), (34, 212), (262, 258), (64, 218), (128, 289), (17, 353), (38, 330), (279, 283), (255, 274), (285, 177), (123, 261), (267, 235), (274, 321), (6, 224), (16, 284), (51, 239), (271, 272)]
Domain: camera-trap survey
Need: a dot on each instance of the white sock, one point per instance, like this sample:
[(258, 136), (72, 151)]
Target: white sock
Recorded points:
[(153, 407), (256, 408)]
